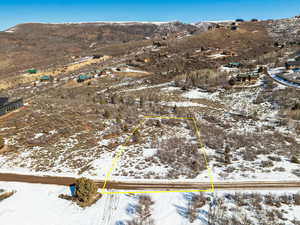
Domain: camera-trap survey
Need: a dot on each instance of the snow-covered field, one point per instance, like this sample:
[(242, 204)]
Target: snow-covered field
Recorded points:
[(36, 204)]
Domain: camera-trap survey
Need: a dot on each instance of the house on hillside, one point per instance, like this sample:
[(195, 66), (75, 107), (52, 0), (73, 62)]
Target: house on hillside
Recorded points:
[(83, 78), (292, 65), (3, 100), (31, 71), (244, 78), (102, 72), (6, 106), (46, 78), (97, 56), (228, 53), (234, 27), (234, 65)]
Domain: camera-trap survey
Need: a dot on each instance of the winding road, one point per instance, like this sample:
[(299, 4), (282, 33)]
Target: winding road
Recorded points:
[(277, 77)]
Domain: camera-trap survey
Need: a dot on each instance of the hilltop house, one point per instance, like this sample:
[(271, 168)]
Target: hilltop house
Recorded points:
[(6, 106)]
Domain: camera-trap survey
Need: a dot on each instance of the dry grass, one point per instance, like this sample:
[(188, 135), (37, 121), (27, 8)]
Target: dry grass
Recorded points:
[(28, 78), (294, 114)]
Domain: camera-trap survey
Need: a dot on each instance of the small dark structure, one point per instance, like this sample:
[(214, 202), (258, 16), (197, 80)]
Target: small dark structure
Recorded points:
[(6, 106), (156, 44), (234, 65), (292, 65), (234, 27), (31, 71), (243, 78), (101, 73), (247, 77), (97, 56), (46, 78), (83, 78), (3, 100)]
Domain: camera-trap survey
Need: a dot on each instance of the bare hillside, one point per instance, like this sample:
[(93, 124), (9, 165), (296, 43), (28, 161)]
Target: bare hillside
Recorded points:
[(39, 45)]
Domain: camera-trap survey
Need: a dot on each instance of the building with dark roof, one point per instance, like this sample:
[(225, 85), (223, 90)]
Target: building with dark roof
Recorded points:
[(6, 106), (292, 65), (3, 100)]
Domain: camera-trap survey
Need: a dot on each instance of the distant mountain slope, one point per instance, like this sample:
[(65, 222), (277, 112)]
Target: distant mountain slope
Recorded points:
[(103, 32), (36, 44)]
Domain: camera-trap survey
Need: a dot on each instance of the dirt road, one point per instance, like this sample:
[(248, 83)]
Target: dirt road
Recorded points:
[(155, 185)]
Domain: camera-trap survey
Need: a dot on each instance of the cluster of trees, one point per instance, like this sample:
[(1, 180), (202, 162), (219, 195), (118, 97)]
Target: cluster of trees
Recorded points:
[(86, 192), (205, 79)]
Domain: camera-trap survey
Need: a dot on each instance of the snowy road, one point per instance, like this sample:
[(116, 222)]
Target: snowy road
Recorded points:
[(277, 77), (154, 184)]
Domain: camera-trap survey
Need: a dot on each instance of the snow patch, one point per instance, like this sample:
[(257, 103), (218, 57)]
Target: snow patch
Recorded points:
[(197, 94)]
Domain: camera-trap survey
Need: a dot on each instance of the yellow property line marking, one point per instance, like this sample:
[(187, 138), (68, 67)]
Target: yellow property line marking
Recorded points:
[(122, 149)]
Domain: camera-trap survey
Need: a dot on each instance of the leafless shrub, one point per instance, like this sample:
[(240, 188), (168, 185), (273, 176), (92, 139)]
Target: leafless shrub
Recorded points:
[(297, 199), (213, 136), (143, 211), (296, 172), (294, 159), (107, 114), (206, 78), (274, 158), (267, 163), (177, 153), (271, 200), (170, 122), (294, 114)]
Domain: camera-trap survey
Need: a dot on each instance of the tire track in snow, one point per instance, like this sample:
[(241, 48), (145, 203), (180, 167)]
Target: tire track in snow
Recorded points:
[(110, 208)]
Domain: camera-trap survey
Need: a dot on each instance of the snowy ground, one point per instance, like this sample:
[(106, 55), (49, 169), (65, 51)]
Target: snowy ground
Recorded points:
[(235, 112), (35, 204)]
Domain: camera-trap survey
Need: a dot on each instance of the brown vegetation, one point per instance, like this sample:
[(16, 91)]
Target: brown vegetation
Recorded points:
[(6, 195), (86, 193), (1, 142)]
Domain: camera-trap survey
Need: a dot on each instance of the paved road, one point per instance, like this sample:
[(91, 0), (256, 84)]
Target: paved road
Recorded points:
[(281, 80), (156, 185)]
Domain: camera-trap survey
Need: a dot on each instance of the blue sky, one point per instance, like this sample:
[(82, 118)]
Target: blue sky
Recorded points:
[(16, 11)]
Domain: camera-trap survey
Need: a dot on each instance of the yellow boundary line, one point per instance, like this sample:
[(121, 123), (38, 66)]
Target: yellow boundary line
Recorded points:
[(122, 149)]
